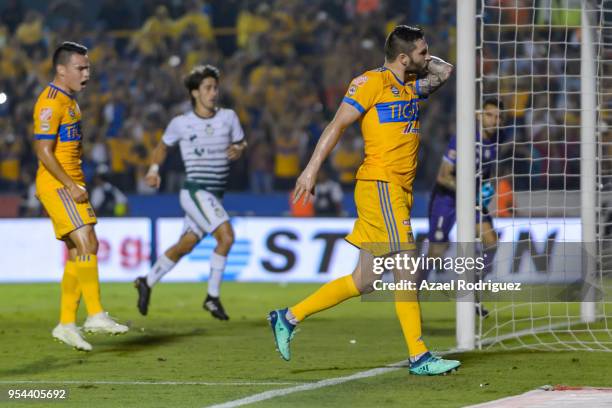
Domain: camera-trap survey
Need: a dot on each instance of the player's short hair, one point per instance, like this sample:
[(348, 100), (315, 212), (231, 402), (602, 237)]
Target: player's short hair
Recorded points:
[(62, 54), (197, 75), (402, 40), (498, 103)]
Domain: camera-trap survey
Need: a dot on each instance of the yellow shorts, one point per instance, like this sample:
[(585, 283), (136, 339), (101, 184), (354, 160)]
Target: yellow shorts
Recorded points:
[(66, 214), (383, 223)]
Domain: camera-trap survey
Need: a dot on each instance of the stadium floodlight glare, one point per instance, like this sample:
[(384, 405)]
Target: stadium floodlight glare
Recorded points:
[(174, 61), (3, 98)]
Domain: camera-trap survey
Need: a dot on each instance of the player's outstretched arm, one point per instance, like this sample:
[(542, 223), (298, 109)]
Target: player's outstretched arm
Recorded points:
[(345, 116), (438, 72), (44, 152), (157, 159)]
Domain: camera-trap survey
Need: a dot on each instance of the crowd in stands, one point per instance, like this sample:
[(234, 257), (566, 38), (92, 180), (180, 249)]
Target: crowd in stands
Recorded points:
[(531, 56), (285, 66)]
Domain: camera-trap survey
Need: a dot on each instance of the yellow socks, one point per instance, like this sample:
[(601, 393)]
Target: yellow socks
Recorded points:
[(87, 271), (325, 297), (409, 315), (336, 291), (71, 293)]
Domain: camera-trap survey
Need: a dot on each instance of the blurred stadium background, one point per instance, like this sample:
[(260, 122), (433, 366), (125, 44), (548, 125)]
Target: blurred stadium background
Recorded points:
[(285, 66)]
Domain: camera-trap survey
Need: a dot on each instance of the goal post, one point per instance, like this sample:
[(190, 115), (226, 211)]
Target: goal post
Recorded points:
[(466, 158), (588, 158)]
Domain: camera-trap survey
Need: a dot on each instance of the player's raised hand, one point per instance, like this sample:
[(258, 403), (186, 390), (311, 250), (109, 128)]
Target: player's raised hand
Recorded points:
[(78, 193), (152, 179), (305, 186), (437, 73)]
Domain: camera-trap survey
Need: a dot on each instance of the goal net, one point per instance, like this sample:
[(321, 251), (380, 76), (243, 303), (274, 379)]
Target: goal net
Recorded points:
[(550, 63)]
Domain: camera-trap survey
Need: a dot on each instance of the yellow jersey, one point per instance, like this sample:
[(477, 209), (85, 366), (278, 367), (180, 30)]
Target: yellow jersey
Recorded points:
[(389, 125), (57, 117), (287, 163)]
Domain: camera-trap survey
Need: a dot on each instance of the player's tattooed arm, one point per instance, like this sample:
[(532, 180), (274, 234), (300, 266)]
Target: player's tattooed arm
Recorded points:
[(438, 72)]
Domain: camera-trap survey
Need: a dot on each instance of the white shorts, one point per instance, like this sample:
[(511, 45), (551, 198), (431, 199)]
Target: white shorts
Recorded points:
[(203, 212)]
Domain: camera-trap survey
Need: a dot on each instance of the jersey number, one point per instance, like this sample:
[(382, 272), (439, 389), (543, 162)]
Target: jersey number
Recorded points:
[(408, 128)]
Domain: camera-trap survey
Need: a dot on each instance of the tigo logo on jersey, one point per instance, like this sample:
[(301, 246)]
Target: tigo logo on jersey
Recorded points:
[(70, 132), (400, 111)]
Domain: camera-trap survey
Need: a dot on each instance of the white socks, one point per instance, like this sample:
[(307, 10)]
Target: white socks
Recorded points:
[(416, 358), (162, 266), (291, 318), (217, 266)]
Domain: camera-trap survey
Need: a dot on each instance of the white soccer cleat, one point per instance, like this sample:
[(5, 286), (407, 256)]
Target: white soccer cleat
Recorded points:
[(103, 323), (69, 334)]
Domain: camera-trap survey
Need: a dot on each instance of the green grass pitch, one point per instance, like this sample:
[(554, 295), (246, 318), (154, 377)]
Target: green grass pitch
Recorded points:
[(180, 343)]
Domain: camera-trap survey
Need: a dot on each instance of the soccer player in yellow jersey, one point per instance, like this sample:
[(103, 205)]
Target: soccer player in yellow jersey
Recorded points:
[(386, 102), (60, 186)]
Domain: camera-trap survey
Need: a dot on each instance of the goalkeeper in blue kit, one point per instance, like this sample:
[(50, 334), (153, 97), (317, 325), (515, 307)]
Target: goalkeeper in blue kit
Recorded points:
[(442, 208)]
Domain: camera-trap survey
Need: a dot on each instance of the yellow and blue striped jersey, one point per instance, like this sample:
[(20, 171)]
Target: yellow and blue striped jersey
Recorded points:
[(57, 117), (389, 124)]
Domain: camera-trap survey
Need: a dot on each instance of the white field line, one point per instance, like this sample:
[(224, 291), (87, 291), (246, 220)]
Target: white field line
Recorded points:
[(304, 387), (101, 382), (263, 396)]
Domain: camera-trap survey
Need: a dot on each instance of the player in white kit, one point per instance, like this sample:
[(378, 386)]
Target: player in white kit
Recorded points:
[(209, 138)]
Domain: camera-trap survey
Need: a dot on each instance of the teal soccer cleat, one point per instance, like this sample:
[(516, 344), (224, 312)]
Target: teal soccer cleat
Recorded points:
[(429, 364), (283, 332)]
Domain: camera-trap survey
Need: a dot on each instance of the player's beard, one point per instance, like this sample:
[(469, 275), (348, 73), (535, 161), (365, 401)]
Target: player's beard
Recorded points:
[(424, 69), (414, 69)]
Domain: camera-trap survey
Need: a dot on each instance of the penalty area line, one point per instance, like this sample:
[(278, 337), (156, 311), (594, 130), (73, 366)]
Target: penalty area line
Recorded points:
[(266, 395)]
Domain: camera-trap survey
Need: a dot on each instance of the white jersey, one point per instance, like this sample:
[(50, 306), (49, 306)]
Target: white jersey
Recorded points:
[(204, 143)]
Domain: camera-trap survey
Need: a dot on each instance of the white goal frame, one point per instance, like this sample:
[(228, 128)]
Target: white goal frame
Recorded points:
[(467, 80)]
